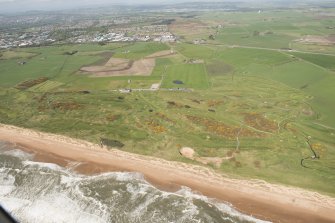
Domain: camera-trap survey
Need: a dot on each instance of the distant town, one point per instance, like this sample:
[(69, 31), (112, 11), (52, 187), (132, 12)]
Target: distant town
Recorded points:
[(39, 30)]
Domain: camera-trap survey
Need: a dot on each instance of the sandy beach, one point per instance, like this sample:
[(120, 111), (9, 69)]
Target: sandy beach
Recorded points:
[(258, 198)]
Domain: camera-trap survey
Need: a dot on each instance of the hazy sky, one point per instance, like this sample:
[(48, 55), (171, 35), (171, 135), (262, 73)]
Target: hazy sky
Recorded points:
[(24, 5)]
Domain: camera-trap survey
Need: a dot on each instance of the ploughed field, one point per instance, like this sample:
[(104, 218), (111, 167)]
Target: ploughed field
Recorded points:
[(245, 111)]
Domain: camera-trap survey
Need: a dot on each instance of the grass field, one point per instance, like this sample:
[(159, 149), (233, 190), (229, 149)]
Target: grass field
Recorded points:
[(46, 86), (7, 55), (192, 75), (325, 61), (139, 50), (271, 100)]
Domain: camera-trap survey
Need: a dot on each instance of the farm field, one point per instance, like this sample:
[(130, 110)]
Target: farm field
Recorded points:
[(249, 101)]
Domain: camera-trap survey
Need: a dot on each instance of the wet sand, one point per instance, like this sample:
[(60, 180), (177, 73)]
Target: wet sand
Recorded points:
[(260, 199)]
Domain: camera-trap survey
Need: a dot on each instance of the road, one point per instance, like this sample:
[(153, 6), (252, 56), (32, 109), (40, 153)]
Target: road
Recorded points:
[(271, 49)]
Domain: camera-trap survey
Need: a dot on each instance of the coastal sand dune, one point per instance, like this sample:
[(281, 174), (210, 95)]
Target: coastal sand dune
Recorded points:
[(263, 200)]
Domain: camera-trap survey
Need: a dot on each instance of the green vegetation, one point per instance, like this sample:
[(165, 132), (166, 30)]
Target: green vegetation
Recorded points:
[(325, 61), (192, 75), (139, 50), (46, 86), (271, 99), (8, 55)]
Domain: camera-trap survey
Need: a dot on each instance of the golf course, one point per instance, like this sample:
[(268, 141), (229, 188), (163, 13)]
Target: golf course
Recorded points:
[(254, 99)]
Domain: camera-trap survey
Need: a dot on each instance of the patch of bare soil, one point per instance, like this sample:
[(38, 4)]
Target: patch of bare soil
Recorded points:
[(187, 152), (122, 67), (125, 67), (331, 38), (113, 64), (321, 40)]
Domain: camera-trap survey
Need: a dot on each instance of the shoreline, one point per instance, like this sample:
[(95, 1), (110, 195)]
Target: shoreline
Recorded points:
[(258, 198)]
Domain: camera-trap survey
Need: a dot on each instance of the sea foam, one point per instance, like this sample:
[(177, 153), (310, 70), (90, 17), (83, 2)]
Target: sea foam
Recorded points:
[(19, 154), (46, 192)]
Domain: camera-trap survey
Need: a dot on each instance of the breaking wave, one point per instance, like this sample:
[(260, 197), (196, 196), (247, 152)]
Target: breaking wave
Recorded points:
[(43, 192)]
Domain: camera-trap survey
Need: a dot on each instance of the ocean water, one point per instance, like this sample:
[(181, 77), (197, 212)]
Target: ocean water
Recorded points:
[(35, 192)]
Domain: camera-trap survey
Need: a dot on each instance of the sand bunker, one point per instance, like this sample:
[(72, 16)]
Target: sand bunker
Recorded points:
[(189, 153), (125, 67)]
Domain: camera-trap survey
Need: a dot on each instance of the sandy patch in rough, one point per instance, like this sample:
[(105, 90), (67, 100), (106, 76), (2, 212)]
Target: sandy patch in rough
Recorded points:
[(114, 62), (254, 197), (116, 67), (187, 152)]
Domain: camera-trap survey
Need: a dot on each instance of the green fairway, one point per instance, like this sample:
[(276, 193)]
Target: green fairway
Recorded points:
[(249, 39), (51, 62), (8, 55), (199, 52), (298, 74), (191, 75), (139, 50), (242, 57), (325, 61)]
